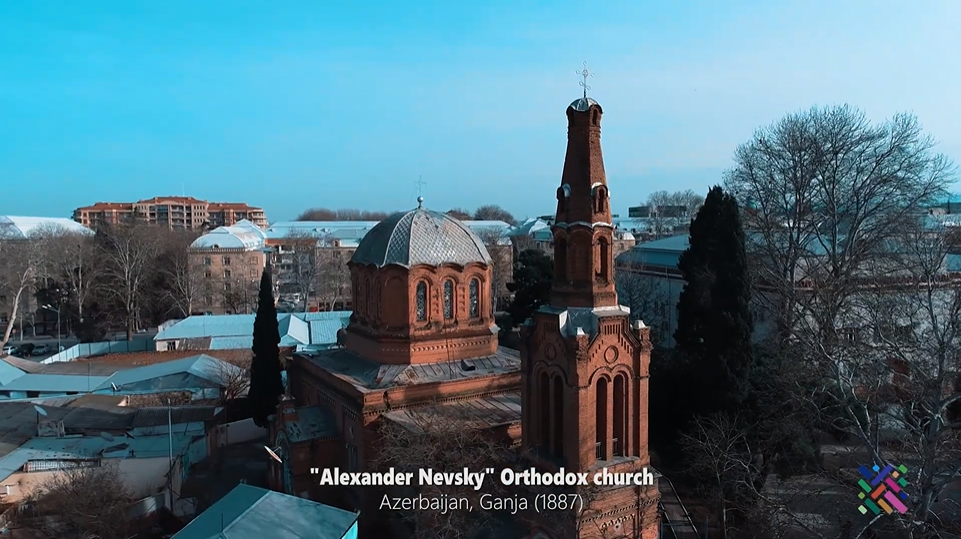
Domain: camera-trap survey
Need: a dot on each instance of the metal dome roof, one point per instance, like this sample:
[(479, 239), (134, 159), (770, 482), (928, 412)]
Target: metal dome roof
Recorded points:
[(420, 237), (583, 104)]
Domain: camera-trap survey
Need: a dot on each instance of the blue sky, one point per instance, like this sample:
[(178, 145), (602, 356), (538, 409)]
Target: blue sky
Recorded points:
[(288, 105)]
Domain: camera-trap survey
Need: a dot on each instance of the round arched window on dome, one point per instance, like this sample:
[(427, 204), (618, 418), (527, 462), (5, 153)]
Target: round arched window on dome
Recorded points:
[(474, 298), (421, 301), (448, 300)]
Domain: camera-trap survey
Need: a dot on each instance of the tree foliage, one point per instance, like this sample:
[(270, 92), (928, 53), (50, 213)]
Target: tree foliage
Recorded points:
[(531, 286), (344, 214), (266, 383), (493, 212), (713, 336)]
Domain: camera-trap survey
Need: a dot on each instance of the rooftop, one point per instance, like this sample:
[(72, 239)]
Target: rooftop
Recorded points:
[(249, 512), (313, 423), (421, 237), (477, 413), (367, 375), (17, 227), (242, 235), (296, 329)]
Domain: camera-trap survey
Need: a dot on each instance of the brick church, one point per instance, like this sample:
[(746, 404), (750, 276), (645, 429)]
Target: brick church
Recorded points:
[(422, 336)]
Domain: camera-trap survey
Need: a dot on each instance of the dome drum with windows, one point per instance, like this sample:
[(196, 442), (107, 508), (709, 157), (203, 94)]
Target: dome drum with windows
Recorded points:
[(421, 287)]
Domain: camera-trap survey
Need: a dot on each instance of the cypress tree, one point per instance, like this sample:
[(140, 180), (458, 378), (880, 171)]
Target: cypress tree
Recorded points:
[(266, 384), (713, 336)]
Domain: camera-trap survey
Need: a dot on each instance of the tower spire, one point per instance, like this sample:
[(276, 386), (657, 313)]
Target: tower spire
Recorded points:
[(583, 230)]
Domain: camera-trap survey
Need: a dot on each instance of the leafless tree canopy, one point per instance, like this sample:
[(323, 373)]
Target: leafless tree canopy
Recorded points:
[(670, 210), (493, 212), (854, 276), (349, 214), (126, 252), (21, 267), (647, 300), (79, 503), (459, 213)]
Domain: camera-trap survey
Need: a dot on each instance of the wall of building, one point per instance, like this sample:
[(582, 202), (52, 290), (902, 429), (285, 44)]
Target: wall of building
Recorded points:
[(228, 279), (142, 476)]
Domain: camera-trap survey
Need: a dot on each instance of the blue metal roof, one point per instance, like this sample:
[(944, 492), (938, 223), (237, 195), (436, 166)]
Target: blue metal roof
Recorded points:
[(235, 331), (237, 342), (249, 512), (202, 366), (9, 372), (293, 331), (54, 383), (324, 332)]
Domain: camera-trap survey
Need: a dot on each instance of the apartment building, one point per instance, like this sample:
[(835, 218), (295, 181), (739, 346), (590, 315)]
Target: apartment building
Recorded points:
[(225, 267), (172, 212)]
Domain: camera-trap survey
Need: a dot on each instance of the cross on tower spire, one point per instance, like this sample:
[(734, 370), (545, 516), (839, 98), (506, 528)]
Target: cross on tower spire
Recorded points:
[(420, 183), (584, 73)]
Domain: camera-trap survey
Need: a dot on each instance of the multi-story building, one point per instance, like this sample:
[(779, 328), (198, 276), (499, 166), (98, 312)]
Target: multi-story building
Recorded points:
[(225, 268), (173, 212)]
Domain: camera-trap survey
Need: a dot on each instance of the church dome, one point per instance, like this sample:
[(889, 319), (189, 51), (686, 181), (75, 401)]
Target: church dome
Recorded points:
[(420, 237), (583, 104)]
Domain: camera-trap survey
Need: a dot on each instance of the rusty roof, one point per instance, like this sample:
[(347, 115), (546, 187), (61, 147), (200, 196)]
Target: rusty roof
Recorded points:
[(474, 413), (368, 375)]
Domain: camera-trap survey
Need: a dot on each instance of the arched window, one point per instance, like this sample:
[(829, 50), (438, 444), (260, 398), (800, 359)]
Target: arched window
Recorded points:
[(474, 298), (421, 301), (448, 300), (604, 255), (600, 419), (620, 413)]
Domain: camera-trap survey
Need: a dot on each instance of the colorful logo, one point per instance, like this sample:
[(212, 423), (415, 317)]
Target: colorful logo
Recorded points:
[(882, 488)]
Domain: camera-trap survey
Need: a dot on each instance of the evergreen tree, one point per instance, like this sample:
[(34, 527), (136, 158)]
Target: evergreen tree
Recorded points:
[(266, 384), (713, 336), (532, 279)]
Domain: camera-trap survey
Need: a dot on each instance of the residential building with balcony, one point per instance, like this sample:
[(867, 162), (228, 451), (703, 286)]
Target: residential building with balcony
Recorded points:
[(183, 213)]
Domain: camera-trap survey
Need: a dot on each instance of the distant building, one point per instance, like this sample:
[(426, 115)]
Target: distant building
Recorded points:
[(535, 233), (301, 331), (177, 213), (226, 265), (248, 512)]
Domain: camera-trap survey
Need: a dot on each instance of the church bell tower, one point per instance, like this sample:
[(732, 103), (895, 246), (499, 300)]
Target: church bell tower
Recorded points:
[(584, 365)]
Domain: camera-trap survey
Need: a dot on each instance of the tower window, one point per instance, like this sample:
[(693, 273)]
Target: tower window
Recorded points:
[(448, 300), (560, 259), (474, 297), (421, 301)]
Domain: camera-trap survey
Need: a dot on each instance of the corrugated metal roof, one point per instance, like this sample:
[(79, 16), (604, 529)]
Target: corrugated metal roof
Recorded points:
[(293, 331), (324, 332), (477, 413), (202, 366), (54, 383), (231, 343), (367, 375), (248, 512), (9, 372), (313, 422), (242, 235)]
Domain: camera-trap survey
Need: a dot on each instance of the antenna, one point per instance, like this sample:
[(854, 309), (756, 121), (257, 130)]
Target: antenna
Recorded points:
[(40, 411), (114, 387), (107, 436)]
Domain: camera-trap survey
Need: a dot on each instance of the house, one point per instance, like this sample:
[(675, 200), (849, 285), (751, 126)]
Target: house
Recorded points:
[(248, 512), (202, 376), (143, 442), (299, 331)]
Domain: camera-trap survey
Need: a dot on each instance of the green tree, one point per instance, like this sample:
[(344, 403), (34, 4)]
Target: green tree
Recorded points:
[(533, 275), (266, 384), (713, 336)]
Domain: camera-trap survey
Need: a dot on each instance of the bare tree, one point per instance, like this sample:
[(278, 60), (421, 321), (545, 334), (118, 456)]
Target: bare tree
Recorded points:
[(670, 210), (348, 214), (459, 213), (833, 208), (184, 277), (79, 503), (69, 261), (298, 264), (822, 190), (20, 268), (127, 253), (233, 377), (493, 212), (332, 284), (502, 257), (647, 299)]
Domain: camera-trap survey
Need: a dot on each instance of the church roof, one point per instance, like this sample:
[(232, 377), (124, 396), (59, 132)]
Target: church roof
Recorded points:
[(421, 237), (367, 375), (476, 413), (583, 104)]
